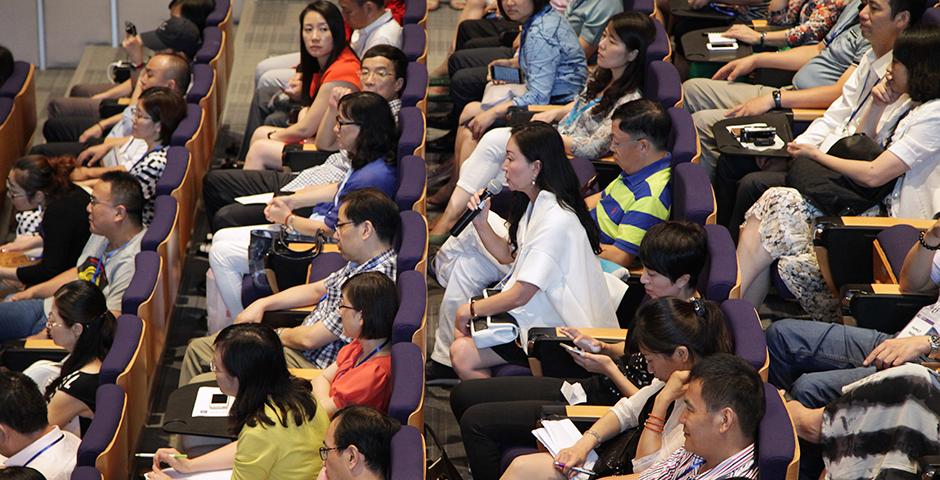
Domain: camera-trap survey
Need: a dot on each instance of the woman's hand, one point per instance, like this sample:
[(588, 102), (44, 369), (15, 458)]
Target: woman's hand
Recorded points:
[(277, 210), (134, 48), (593, 362), (469, 112), (294, 86), (803, 150), (93, 155), (94, 131), (481, 218), (337, 94), (883, 93), (583, 341), (481, 122), (19, 244), (461, 319), (573, 456), (170, 457), (21, 295), (547, 116), (675, 387), (743, 33)]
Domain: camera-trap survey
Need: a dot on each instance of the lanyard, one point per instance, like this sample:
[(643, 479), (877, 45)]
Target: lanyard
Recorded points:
[(104, 259), (577, 112), (695, 465), (47, 447), (371, 354), (862, 102)]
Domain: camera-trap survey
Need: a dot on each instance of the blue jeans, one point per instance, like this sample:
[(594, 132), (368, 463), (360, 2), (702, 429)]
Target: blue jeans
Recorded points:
[(21, 319), (814, 360)]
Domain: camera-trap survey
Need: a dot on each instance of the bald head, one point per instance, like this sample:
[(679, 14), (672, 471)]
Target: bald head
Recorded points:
[(166, 70)]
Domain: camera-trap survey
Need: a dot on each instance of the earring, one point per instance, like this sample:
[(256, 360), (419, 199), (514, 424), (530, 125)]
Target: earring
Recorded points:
[(533, 181)]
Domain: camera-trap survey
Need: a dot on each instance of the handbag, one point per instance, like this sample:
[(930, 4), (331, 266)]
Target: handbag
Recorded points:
[(274, 260), (834, 193), (615, 456), (493, 330), (441, 468)]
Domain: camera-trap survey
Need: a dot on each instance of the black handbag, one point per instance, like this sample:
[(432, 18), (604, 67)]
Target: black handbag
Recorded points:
[(275, 262), (834, 193), (441, 468)]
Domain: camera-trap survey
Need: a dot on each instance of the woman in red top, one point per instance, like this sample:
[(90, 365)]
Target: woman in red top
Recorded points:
[(362, 372), (326, 63)]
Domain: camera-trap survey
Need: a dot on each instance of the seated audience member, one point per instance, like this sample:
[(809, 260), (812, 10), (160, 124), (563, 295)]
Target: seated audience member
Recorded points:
[(371, 23), (278, 423), (6, 64), (879, 427), (326, 63), (26, 438), (827, 66), (622, 211), (366, 131), (362, 372), (673, 335), (584, 124), (196, 11), (20, 473), (177, 35), (93, 146), (159, 111), (902, 115), (809, 22), (114, 219), (814, 360), (361, 438), (81, 324), (369, 222), (548, 225), (38, 182), (724, 404)]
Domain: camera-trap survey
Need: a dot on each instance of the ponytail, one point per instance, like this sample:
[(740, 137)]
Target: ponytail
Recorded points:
[(38, 173), (667, 323)]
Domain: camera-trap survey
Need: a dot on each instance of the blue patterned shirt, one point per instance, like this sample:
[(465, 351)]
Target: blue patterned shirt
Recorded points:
[(552, 59)]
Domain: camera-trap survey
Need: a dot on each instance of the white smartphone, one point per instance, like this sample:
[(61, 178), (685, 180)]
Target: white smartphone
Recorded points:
[(721, 47), (574, 350)]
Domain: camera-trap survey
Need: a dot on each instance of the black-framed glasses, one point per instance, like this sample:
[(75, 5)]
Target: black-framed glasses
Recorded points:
[(324, 451), (343, 123), (340, 225), (380, 73), (341, 306), (94, 201)]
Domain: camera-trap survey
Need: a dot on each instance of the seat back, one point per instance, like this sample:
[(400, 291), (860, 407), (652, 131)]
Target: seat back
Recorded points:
[(177, 182), (412, 244), (663, 84), (411, 141), (931, 17), (414, 42), (692, 195), (21, 87), (778, 452), (212, 53), (644, 6), (587, 176), (146, 299), (11, 147), (104, 445), (409, 325), (85, 473), (683, 139), (749, 341), (412, 179), (125, 365), (204, 92), (659, 48), (415, 92), (719, 279), (163, 237), (892, 245), (192, 133), (221, 17), (407, 402), (407, 455), (416, 12)]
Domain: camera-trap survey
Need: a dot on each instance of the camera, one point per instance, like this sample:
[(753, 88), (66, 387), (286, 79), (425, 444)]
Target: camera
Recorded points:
[(130, 29), (120, 71), (760, 136)]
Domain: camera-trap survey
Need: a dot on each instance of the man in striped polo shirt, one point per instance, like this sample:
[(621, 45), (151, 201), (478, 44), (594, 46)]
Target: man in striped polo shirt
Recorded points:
[(640, 196)]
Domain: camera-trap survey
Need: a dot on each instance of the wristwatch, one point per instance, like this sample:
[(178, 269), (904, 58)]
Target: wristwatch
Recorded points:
[(934, 345), (763, 36), (778, 98)]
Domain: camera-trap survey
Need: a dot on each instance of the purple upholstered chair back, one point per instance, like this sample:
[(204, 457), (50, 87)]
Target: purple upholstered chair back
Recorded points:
[(683, 142), (177, 162), (691, 194), (109, 410), (412, 241), (412, 176), (188, 127), (416, 84), (411, 122), (644, 6), (164, 217), (407, 381), (931, 17), (221, 10), (587, 175), (720, 274), (203, 76), (408, 459), (126, 342), (776, 442), (211, 44), (14, 83), (413, 302), (658, 49), (749, 341), (414, 41), (6, 106), (896, 241), (146, 271), (415, 11), (663, 84), (85, 473)]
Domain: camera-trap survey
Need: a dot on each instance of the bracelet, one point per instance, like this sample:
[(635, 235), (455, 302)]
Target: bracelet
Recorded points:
[(100, 128), (661, 419), (287, 221), (596, 436), (652, 428), (271, 133), (652, 421), (762, 37), (922, 239), (778, 99), (473, 313)]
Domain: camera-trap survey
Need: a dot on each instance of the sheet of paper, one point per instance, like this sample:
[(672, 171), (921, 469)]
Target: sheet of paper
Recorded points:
[(574, 393), (203, 407), (556, 435), (214, 475), (259, 199)]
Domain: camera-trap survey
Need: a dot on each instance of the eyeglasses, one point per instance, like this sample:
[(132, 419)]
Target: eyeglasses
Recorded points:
[(381, 73), (340, 225), (94, 201), (341, 306), (141, 116), (324, 451), (343, 123)]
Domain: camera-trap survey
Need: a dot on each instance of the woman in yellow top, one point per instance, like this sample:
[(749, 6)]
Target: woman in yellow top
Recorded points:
[(277, 420)]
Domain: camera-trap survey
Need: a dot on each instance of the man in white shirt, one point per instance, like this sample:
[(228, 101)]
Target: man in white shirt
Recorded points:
[(26, 438), (372, 25)]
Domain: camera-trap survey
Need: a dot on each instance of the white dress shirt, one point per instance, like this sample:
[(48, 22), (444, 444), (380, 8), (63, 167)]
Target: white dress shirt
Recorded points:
[(383, 31), (53, 455)]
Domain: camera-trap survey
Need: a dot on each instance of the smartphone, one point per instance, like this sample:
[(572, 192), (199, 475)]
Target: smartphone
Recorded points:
[(506, 74), (219, 400), (574, 350), (130, 29), (713, 47)]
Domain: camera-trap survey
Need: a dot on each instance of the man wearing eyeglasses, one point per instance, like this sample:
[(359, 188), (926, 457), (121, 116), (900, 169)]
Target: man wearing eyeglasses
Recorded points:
[(115, 214), (358, 444)]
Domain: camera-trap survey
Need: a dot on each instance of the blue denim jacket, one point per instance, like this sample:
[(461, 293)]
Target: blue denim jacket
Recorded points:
[(552, 59)]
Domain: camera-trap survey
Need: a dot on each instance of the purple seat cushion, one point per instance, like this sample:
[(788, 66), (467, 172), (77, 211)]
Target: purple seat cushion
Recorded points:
[(411, 122), (415, 11), (720, 274), (177, 162), (109, 408), (203, 76), (127, 335), (211, 44), (775, 437), (663, 83), (407, 455), (219, 13), (659, 47), (188, 127), (587, 175), (511, 370), (749, 341), (85, 473), (14, 84), (691, 194), (146, 270), (412, 176), (683, 142), (510, 454), (163, 219), (896, 241), (407, 381), (416, 84), (413, 301), (414, 41), (6, 106)]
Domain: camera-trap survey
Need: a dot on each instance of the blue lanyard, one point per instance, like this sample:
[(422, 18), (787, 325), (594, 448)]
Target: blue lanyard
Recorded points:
[(576, 112), (861, 103), (372, 353), (695, 465), (47, 447), (100, 266)]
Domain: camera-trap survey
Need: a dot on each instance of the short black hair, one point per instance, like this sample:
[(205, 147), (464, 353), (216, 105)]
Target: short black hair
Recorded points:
[(644, 118), (20, 473), (915, 7), (370, 431), (373, 205), (729, 381), (674, 249), (378, 135), (393, 54), (916, 48), (22, 407), (126, 191), (374, 295)]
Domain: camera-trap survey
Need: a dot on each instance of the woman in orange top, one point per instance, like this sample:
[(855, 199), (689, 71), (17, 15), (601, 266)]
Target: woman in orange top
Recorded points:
[(326, 63), (362, 372)]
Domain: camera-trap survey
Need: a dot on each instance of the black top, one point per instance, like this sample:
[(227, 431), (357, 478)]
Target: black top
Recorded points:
[(64, 231), (83, 387)]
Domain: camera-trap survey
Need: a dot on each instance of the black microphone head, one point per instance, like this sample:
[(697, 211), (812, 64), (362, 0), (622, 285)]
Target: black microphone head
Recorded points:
[(494, 187)]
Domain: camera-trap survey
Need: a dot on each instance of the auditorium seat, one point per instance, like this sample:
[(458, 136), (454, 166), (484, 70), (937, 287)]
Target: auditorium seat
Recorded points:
[(105, 445), (660, 48), (145, 298), (407, 455), (683, 138), (176, 182), (212, 53), (415, 92), (415, 43), (416, 13), (692, 195), (85, 473), (779, 452), (410, 321), (412, 180), (163, 237), (125, 365), (663, 84), (749, 341), (411, 140), (407, 402)]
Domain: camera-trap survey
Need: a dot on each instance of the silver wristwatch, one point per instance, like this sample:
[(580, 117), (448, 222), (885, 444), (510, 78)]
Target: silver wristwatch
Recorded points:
[(934, 345)]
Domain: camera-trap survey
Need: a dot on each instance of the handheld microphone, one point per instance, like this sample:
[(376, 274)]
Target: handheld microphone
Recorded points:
[(492, 188)]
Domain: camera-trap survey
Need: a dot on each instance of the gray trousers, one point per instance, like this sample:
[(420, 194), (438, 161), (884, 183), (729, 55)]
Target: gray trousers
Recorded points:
[(199, 354)]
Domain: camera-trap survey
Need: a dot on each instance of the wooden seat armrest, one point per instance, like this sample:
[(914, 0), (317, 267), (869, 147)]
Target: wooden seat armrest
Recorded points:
[(542, 108), (602, 334), (807, 114), (885, 222), (305, 373), (310, 147), (586, 411), (44, 344)]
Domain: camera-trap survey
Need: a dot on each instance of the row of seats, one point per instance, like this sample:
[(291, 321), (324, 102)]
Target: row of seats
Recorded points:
[(17, 117)]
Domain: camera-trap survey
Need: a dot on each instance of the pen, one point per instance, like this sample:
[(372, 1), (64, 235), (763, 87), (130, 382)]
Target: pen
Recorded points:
[(151, 455), (577, 469)]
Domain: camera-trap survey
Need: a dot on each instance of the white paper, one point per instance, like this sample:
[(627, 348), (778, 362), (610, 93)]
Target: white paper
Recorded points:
[(203, 407), (719, 40), (924, 323), (574, 393), (556, 435), (213, 475), (259, 199)]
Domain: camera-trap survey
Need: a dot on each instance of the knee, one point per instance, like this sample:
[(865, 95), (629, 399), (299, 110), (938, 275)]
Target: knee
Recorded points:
[(693, 88), (810, 391), (524, 467), (462, 356)]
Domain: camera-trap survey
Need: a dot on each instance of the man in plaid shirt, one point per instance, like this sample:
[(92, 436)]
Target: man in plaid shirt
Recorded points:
[(368, 222)]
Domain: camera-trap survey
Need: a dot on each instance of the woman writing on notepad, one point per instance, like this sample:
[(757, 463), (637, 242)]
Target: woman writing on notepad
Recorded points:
[(279, 425)]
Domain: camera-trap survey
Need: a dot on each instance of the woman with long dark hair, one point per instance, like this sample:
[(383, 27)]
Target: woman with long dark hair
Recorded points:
[(584, 123), (365, 128), (278, 423), (81, 323), (326, 63), (544, 252)]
